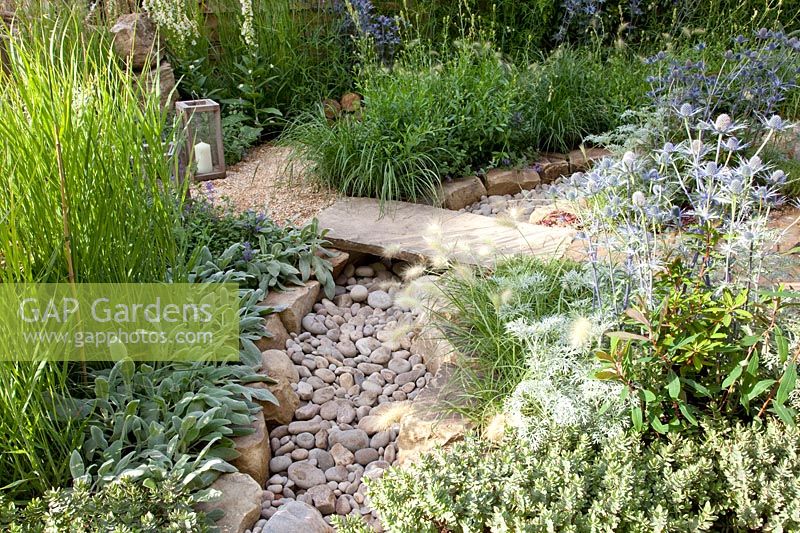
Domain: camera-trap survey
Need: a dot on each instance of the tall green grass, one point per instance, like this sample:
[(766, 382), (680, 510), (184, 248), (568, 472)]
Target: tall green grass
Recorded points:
[(86, 197), (299, 57), (575, 92), (445, 110)]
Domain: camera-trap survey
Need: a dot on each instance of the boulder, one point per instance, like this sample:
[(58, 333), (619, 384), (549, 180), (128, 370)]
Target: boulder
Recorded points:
[(462, 192), (278, 331), (332, 108), (288, 402), (294, 304), (431, 422), (305, 475), (372, 424), (341, 455), (351, 102), (500, 182), (352, 439), (135, 40), (338, 262), (277, 365), (255, 453), (583, 158), (161, 80), (552, 166), (240, 501), (296, 517), (421, 431)]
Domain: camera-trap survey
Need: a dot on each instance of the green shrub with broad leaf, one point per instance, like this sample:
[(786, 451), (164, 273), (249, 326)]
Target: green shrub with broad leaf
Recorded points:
[(704, 351)]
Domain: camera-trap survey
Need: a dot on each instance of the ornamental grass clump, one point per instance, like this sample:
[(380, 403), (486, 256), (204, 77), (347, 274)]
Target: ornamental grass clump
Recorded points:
[(86, 197), (681, 237), (502, 322)]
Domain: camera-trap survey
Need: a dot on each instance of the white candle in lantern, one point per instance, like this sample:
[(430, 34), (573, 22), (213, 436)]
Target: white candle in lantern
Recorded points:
[(202, 153)]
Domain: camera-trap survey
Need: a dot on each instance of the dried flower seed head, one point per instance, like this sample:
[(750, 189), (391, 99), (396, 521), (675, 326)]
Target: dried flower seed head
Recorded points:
[(484, 250), (580, 333), (496, 429), (506, 221), (412, 272), (440, 261), (391, 251)]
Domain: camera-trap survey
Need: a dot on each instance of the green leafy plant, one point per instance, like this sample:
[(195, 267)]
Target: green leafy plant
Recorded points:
[(730, 478), (386, 151), (703, 351), (237, 137), (125, 505), (146, 421), (252, 250)]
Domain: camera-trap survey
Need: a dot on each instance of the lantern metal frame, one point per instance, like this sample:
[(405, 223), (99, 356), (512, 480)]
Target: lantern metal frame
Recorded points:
[(186, 110)]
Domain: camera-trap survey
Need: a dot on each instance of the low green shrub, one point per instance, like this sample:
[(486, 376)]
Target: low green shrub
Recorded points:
[(516, 27), (732, 478), (792, 169), (785, 155), (643, 24), (237, 136), (364, 159), (703, 351), (125, 505)]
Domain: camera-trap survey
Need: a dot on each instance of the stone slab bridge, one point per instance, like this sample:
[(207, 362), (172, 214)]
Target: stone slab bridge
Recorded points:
[(415, 232)]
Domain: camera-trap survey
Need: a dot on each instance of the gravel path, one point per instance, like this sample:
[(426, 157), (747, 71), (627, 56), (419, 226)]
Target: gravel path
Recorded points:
[(356, 375), (266, 180)]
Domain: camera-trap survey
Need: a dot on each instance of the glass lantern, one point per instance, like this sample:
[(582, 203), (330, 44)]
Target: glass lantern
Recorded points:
[(202, 151)]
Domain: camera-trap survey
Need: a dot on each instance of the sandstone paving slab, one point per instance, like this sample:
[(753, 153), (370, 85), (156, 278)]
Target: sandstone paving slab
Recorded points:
[(414, 232)]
